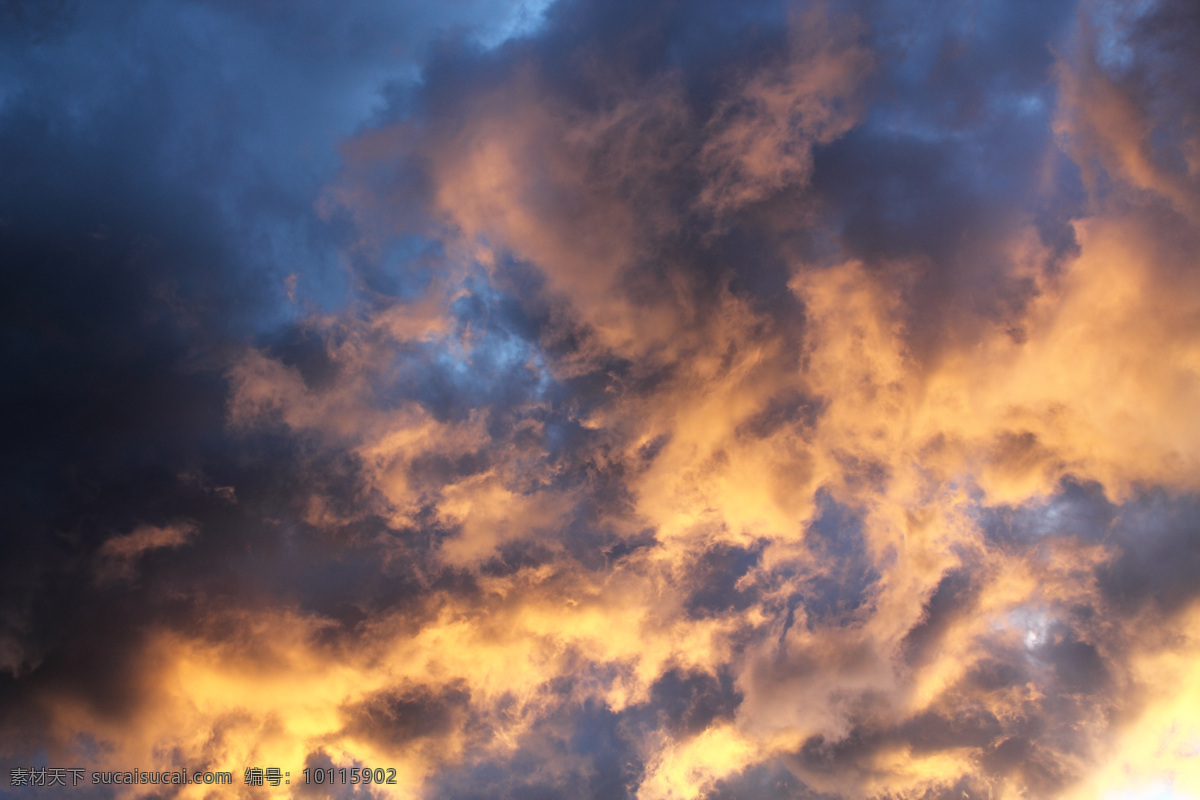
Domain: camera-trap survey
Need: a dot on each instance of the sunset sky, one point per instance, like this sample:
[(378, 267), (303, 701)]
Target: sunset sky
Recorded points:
[(648, 399)]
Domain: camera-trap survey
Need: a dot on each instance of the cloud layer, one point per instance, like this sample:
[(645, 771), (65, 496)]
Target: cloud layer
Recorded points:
[(604, 399)]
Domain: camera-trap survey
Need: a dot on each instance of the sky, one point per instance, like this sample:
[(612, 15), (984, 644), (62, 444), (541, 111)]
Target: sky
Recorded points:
[(603, 399)]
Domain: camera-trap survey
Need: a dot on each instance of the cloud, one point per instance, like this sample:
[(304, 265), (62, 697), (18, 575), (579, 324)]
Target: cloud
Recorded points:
[(733, 399), (117, 558), (760, 140)]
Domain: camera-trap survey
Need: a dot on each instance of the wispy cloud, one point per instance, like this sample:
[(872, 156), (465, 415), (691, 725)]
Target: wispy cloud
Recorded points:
[(118, 557)]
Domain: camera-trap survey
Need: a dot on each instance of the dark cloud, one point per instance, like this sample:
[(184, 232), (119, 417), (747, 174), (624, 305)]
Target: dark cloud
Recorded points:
[(951, 599), (692, 702), (399, 716), (1157, 546)]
